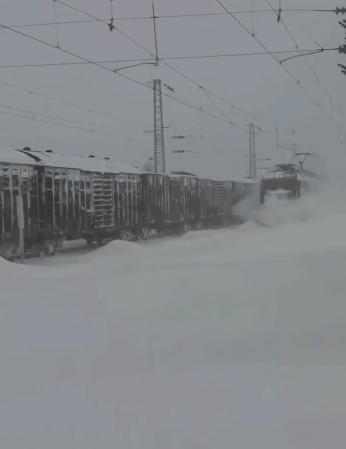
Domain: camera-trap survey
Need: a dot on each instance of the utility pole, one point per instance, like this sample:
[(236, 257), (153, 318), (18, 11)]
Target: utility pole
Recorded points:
[(252, 170), (159, 137)]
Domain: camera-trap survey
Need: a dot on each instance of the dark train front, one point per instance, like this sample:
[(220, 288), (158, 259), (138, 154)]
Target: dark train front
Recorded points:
[(282, 181)]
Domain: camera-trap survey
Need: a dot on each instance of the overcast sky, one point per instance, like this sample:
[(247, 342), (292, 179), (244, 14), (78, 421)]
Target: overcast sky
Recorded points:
[(255, 84)]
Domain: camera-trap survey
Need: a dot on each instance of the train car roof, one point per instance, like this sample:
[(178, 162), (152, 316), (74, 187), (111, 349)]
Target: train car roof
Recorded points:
[(88, 164), (176, 176), (243, 180), (127, 168), (183, 173), (14, 157)]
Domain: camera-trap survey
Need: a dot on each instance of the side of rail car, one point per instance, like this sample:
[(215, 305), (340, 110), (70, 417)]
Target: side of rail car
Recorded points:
[(65, 197), (18, 177), (88, 198), (176, 203)]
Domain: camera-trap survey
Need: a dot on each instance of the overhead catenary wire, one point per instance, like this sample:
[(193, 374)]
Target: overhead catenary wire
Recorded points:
[(200, 109), (169, 58), (207, 90), (272, 55), (105, 68), (150, 53), (307, 54), (54, 117), (64, 125), (71, 54), (102, 114), (38, 118), (104, 21), (219, 110), (173, 16), (297, 46)]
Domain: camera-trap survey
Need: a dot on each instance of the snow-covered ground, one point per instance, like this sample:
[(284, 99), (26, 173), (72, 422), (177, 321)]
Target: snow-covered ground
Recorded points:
[(233, 338)]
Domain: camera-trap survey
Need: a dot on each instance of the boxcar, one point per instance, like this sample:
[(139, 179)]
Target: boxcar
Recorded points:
[(176, 202), (68, 197), (17, 177), (88, 198), (156, 211)]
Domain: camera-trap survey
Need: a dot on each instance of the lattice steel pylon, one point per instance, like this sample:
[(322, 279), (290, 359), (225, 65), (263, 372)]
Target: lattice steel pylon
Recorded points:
[(252, 170), (159, 137)]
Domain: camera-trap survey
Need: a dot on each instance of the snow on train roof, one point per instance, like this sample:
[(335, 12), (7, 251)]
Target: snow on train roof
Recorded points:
[(238, 180), (14, 157), (88, 164), (244, 180)]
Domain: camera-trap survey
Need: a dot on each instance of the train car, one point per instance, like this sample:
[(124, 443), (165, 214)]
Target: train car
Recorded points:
[(227, 195), (223, 200), (85, 197), (65, 197), (156, 200), (283, 181), (18, 177), (177, 202), (73, 197)]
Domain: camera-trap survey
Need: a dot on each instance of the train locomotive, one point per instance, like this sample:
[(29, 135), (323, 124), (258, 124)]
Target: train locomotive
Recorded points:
[(73, 197), (305, 174), (282, 181)]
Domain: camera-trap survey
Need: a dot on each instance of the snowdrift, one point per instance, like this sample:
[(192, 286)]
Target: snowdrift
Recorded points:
[(231, 338)]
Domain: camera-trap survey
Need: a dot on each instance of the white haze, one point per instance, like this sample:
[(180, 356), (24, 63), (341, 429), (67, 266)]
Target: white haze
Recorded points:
[(229, 338)]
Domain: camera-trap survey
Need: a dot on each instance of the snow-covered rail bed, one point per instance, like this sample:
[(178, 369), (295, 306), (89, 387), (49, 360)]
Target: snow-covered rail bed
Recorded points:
[(227, 338)]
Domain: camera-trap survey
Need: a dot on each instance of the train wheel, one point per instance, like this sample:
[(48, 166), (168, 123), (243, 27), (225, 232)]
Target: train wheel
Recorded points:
[(298, 191), (9, 255), (184, 227), (41, 252), (126, 235), (199, 225), (51, 249), (89, 241)]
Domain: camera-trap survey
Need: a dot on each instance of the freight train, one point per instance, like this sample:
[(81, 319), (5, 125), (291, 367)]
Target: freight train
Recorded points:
[(47, 197)]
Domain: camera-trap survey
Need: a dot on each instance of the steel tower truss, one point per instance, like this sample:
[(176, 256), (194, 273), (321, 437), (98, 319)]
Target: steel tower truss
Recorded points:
[(159, 138)]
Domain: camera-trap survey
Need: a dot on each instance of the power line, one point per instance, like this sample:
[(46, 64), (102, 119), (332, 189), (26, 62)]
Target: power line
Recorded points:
[(218, 109), (104, 21), (31, 92), (200, 109), (206, 90), (155, 56), (113, 61), (54, 117), (12, 114), (33, 116), (306, 54), (297, 46), (272, 55), (73, 54), (106, 68), (173, 16), (54, 64)]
